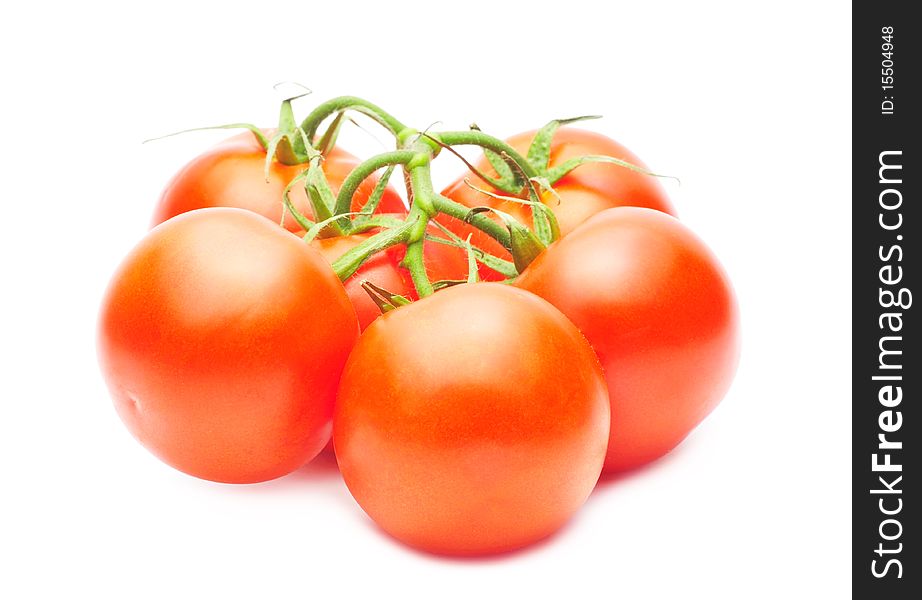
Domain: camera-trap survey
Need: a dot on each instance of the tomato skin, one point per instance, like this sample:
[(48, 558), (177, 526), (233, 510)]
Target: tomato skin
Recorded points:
[(583, 192), (221, 339), (660, 313), (232, 174), (454, 429), (443, 262)]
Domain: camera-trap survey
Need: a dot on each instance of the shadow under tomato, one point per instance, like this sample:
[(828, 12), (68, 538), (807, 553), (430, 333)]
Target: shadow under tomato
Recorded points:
[(322, 467), (321, 473), (609, 479)]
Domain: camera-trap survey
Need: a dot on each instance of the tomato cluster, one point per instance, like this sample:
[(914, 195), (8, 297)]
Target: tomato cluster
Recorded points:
[(258, 318)]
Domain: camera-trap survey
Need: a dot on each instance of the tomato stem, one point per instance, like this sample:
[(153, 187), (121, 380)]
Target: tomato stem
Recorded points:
[(478, 138), (363, 171), (312, 122), (363, 224), (421, 182), (423, 209), (347, 264), (415, 264), (415, 153), (482, 222)]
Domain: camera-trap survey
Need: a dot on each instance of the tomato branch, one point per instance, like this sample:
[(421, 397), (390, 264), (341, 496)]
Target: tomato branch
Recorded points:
[(363, 171), (482, 222), (479, 138), (312, 122), (347, 264)]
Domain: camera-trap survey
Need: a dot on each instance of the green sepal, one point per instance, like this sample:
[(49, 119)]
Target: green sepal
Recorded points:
[(510, 172), (525, 245), (399, 300), (317, 180), (256, 131), (555, 174), (333, 224), (322, 201), (328, 139), (510, 186), (321, 212), (541, 213), (504, 267), (292, 147), (278, 147), (282, 147), (441, 284), (543, 219), (375, 198), (539, 219), (303, 221), (287, 152), (472, 275), (499, 165), (539, 152), (385, 300), (317, 228)]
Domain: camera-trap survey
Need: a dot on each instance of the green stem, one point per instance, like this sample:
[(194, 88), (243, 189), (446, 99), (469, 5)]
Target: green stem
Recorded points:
[(412, 232), (347, 264), (363, 171), (363, 224), (482, 222), (415, 264), (310, 124), (422, 210), (479, 138), (421, 181), (415, 154)]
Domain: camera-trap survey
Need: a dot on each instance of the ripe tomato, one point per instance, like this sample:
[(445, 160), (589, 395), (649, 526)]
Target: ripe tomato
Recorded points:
[(383, 269), (222, 338), (232, 174), (473, 421), (583, 192), (660, 313)]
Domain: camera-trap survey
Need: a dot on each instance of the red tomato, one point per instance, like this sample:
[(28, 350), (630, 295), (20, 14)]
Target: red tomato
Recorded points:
[(660, 313), (585, 191), (473, 421), (383, 269), (232, 174), (222, 338)]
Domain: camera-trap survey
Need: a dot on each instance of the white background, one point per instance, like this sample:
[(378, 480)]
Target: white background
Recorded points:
[(750, 107)]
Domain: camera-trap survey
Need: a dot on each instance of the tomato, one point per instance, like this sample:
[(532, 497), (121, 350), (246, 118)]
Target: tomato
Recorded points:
[(473, 421), (383, 269), (232, 174), (222, 338), (660, 313), (583, 192)]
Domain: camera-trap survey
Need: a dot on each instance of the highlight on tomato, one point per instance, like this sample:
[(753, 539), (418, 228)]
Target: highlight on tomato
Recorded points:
[(222, 338), (473, 421), (661, 314)]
